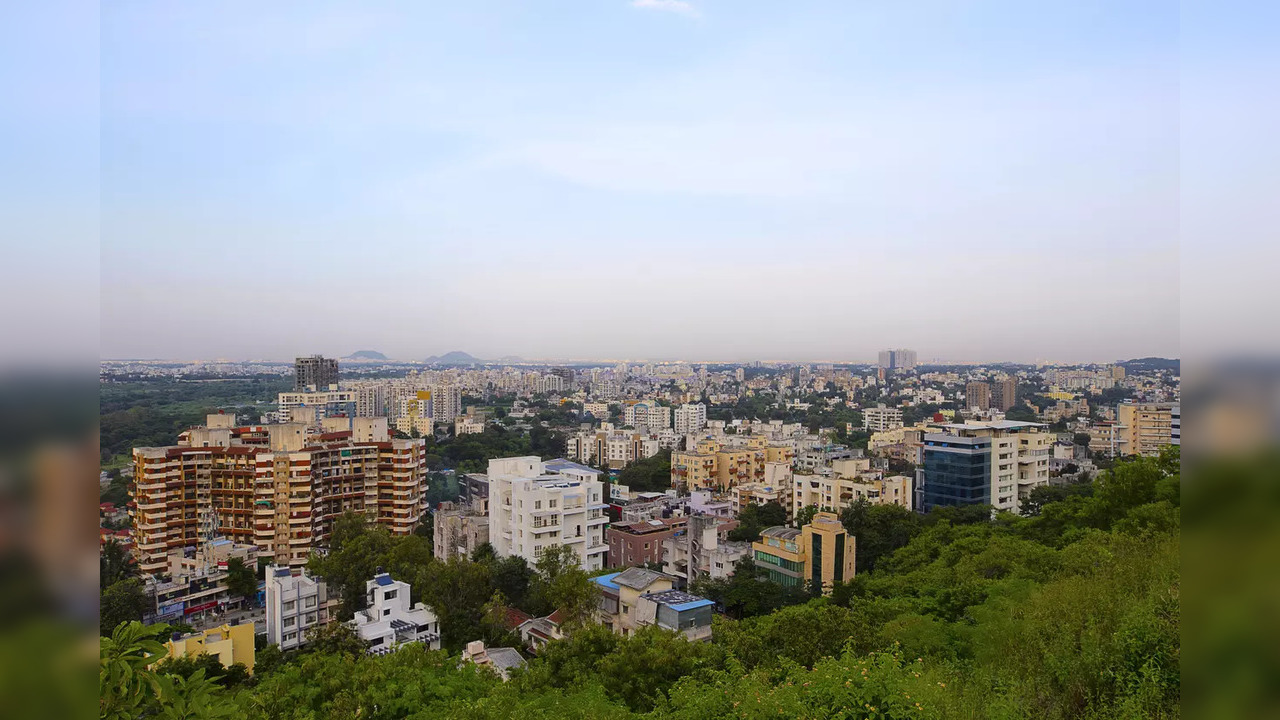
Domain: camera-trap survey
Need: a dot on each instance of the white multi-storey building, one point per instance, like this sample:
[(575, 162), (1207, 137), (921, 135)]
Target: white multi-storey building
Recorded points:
[(648, 414), (879, 419), (295, 604), (446, 401), (391, 620), (534, 505), (690, 418)]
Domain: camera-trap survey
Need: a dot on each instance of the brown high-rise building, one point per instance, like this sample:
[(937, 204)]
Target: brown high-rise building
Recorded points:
[(314, 372), (1004, 394), (977, 395), (280, 490)]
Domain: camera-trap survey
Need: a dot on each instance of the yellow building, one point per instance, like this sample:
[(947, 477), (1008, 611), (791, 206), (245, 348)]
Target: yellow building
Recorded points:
[(1143, 429), (719, 466), (837, 492), (231, 644), (820, 552)]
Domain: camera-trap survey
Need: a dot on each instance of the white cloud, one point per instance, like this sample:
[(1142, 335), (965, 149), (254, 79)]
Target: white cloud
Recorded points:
[(675, 6)]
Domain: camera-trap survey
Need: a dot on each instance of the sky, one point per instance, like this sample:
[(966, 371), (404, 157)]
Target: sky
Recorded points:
[(711, 179)]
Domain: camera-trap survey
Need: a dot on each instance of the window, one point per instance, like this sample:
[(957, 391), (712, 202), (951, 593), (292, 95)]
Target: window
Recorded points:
[(288, 622), (386, 612), (288, 607), (309, 602), (390, 594), (551, 502), (537, 504)]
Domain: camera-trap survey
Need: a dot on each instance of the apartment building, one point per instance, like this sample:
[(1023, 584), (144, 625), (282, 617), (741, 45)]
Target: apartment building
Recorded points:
[(1004, 394), (648, 414), (296, 603), (327, 402), (900, 359), (1145, 428), (446, 403), (459, 529), (881, 418), (391, 619), (598, 410), (416, 413), (282, 497), (690, 418), (835, 491), (618, 448), (464, 425), (640, 543), (314, 373), (534, 505), (977, 395), (995, 463), (700, 550), (820, 553), (761, 494), (715, 464)]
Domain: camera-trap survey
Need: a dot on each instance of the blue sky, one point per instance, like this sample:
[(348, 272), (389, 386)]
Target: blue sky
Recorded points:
[(721, 179)]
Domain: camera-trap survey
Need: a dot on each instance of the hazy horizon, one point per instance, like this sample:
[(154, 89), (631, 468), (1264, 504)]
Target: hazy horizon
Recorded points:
[(631, 179)]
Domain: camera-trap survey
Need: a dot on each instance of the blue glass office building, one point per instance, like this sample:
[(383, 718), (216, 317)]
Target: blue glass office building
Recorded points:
[(954, 471)]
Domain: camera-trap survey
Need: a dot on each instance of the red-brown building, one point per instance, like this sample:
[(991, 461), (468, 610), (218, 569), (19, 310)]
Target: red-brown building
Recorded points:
[(637, 543)]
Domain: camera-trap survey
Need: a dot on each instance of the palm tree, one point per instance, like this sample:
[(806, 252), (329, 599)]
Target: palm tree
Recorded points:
[(115, 564)]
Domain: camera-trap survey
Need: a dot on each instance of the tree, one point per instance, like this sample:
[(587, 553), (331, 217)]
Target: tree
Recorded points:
[(456, 590), (122, 602), (115, 564), (878, 530), (755, 518), (128, 688), (1082, 438), (561, 584), (749, 592), (805, 516), (357, 549), (651, 474), (242, 581)]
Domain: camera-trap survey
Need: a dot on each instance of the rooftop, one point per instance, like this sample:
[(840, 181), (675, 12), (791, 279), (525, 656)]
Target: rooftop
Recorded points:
[(678, 600), (781, 532), (560, 465)]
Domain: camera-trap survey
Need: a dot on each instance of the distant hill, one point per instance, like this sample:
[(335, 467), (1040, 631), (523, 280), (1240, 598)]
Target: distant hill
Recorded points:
[(457, 357), (1148, 364), (366, 355)]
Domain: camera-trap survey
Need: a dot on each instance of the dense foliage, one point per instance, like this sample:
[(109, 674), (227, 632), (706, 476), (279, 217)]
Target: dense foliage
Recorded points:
[(1072, 611)]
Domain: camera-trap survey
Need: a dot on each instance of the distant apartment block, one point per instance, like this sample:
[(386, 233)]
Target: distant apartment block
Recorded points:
[(1004, 394), (230, 644), (881, 418), (994, 463), (835, 491), (314, 373), (534, 505), (897, 359), (647, 414), (1145, 428), (690, 418), (977, 395), (719, 465)]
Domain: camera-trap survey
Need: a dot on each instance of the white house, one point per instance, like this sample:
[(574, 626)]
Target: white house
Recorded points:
[(390, 621)]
